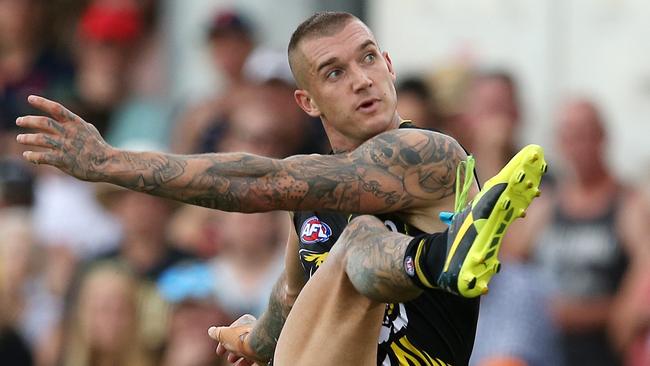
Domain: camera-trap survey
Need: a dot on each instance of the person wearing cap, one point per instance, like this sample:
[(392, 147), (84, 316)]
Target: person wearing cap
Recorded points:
[(106, 37), (231, 41)]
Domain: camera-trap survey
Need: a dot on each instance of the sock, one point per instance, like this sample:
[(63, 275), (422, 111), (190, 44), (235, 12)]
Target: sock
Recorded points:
[(425, 258)]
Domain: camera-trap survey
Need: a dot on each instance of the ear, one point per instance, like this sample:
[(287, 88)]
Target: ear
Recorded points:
[(306, 103), (389, 63)]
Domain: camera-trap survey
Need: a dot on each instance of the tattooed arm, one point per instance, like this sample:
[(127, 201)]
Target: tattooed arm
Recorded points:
[(395, 170)]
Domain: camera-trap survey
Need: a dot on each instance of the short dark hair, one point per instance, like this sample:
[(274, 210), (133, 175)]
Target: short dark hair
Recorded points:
[(320, 24)]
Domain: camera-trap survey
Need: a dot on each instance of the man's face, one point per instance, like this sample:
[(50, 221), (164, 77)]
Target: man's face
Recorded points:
[(580, 137), (229, 52), (348, 83)]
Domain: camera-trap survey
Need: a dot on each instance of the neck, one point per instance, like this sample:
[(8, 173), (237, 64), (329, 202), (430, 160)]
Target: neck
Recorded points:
[(593, 178), (341, 143), (490, 160)]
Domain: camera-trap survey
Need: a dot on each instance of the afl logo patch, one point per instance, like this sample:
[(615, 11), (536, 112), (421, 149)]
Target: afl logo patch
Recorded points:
[(408, 266), (314, 231)]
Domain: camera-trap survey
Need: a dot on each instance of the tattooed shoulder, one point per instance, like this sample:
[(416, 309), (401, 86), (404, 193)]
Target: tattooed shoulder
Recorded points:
[(425, 160)]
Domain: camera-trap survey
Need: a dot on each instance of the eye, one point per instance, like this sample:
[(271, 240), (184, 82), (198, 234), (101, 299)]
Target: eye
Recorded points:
[(334, 74), (369, 58)]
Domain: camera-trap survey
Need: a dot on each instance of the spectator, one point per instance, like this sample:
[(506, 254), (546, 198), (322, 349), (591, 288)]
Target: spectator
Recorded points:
[(145, 114), (630, 321), (491, 119), (246, 66), (415, 102), (28, 65), (515, 326), (231, 41), (581, 251), (104, 326), (107, 35), (64, 209), (15, 259), (264, 123), (250, 261), (190, 290), (144, 247)]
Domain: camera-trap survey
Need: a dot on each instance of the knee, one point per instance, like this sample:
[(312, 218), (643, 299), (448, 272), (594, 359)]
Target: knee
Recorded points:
[(363, 225), (355, 235)]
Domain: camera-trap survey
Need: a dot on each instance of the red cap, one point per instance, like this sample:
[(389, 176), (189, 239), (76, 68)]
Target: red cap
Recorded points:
[(105, 23)]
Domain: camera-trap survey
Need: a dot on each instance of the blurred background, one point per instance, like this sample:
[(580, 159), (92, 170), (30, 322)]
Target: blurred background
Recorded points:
[(94, 275)]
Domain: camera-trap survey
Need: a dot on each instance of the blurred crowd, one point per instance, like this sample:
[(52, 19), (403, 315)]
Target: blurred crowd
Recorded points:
[(98, 275)]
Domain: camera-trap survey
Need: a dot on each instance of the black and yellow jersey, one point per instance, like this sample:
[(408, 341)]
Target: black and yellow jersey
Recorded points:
[(437, 328)]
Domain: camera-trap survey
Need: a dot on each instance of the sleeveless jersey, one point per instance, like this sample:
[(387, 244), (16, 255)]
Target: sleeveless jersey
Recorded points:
[(583, 258), (435, 329)]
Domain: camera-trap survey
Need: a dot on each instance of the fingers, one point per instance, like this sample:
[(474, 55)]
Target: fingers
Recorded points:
[(54, 109), (214, 333), (41, 123), (232, 337), (37, 157), (232, 358), (231, 340), (39, 140)]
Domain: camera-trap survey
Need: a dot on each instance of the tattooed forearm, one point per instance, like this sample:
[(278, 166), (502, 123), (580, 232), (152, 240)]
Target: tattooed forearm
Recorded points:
[(264, 336), (390, 172), (154, 172), (375, 260)]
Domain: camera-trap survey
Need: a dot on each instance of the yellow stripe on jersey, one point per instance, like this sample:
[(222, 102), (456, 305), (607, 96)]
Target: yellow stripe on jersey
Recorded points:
[(407, 354), (404, 357), (422, 354), (421, 276)]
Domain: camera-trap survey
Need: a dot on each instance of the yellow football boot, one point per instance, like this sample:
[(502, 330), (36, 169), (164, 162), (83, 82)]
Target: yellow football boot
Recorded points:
[(476, 231)]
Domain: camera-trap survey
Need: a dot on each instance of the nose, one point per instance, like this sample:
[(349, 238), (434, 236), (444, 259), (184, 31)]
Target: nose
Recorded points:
[(360, 79)]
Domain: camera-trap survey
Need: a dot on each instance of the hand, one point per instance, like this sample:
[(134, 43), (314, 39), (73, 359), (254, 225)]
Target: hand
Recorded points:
[(233, 341), (69, 143)]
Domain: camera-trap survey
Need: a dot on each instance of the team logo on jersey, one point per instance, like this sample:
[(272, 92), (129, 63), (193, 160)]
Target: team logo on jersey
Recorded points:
[(314, 231), (409, 266), (311, 260)]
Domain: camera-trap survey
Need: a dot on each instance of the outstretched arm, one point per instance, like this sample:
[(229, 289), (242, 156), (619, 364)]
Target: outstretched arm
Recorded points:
[(393, 171)]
